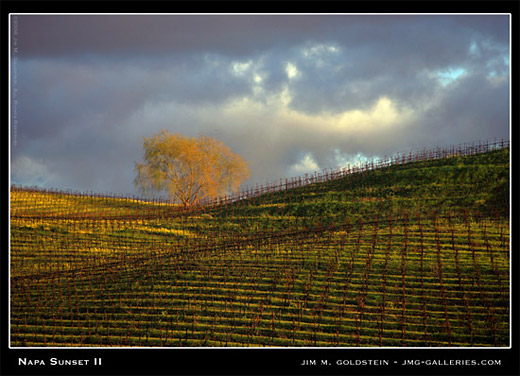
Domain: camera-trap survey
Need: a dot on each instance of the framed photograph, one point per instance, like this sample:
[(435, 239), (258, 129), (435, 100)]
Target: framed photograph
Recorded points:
[(321, 190)]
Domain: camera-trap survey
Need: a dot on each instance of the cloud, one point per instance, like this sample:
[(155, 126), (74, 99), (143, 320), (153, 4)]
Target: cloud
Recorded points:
[(113, 36), (450, 75), (27, 171), (306, 165), (288, 93)]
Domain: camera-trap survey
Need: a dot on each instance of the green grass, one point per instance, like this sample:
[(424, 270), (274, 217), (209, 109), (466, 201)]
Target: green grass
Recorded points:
[(412, 255)]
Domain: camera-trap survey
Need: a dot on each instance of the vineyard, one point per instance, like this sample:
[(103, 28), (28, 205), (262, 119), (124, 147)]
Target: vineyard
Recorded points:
[(407, 251)]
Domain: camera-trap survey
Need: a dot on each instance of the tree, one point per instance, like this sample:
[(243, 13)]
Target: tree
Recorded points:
[(189, 169)]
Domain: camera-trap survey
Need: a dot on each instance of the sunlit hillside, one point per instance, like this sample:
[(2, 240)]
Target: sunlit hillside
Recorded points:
[(413, 251)]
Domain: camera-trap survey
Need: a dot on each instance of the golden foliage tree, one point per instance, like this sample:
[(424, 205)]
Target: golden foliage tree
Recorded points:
[(189, 169)]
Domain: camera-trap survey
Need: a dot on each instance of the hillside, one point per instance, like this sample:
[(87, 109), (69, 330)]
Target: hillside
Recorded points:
[(409, 254)]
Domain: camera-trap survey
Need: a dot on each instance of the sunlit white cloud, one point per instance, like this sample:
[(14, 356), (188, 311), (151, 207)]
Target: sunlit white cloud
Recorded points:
[(318, 50), (345, 159), (383, 115), (306, 165), (321, 55), (240, 69), (292, 71)]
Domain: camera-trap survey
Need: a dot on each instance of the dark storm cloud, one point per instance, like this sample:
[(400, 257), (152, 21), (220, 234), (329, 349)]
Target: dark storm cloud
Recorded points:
[(81, 35), (456, 116), (286, 92), (59, 93), (69, 35)]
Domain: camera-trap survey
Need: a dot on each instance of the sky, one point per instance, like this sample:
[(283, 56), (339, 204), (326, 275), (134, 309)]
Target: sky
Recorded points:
[(291, 94)]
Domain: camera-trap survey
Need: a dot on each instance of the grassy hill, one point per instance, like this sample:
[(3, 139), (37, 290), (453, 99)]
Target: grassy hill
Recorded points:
[(409, 254)]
